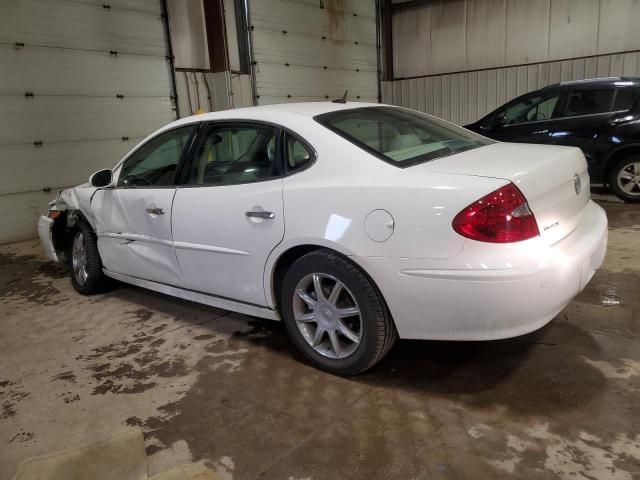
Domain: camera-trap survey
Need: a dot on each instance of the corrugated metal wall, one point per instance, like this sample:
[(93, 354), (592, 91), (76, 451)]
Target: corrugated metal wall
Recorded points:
[(465, 97), (309, 50), (460, 35), (474, 55), (80, 84)]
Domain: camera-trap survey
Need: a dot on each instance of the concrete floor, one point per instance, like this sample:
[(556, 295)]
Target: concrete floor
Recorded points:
[(228, 391)]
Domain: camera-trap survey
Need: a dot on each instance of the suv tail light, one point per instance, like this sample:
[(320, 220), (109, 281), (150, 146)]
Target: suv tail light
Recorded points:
[(503, 216)]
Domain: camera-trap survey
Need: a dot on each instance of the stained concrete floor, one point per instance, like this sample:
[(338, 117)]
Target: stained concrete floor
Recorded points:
[(230, 392)]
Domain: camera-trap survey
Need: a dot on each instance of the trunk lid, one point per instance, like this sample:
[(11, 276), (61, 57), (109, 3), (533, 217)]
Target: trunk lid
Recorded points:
[(554, 179)]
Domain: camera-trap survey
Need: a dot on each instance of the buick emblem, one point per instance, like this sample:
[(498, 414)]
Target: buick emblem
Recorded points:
[(577, 184)]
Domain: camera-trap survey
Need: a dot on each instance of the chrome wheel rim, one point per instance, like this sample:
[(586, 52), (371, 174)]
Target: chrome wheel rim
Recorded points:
[(327, 315), (629, 179), (79, 259)]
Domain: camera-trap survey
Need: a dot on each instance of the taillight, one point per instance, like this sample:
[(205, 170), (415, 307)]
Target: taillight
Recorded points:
[(502, 216)]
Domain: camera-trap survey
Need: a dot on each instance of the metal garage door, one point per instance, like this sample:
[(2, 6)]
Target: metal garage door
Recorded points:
[(309, 50), (81, 81)]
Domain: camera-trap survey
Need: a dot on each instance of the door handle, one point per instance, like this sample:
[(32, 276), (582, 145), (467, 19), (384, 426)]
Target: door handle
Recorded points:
[(540, 132), (260, 214), (155, 211)]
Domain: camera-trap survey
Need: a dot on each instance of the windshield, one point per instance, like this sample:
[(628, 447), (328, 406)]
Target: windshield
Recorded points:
[(398, 136)]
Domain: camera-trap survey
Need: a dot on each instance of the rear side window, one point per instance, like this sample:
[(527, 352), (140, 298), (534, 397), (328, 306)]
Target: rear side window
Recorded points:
[(623, 100), (298, 155), (589, 102), (230, 155), (398, 136)]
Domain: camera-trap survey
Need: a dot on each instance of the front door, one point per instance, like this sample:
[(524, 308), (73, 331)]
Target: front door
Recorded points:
[(228, 216), (133, 220)]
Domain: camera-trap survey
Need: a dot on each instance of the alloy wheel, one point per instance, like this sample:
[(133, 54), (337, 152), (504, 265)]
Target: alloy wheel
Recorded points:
[(79, 259), (629, 179), (327, 315)]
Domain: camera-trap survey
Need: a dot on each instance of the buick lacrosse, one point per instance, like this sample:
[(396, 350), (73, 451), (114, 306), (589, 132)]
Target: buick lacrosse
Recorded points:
[(353, 223)]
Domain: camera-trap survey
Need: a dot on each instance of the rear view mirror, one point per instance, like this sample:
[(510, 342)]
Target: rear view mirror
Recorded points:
[(101, 178)]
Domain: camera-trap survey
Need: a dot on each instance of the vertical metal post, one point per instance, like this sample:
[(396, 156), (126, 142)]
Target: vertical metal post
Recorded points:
[(252, 63), (167, 36)]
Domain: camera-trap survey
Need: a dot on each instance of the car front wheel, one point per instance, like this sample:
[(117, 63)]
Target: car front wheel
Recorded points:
[(625, 179), (86, 268), (335, 314)]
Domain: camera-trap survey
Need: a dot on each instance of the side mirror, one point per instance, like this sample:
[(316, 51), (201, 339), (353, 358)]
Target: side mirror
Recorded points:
[(101, 178)]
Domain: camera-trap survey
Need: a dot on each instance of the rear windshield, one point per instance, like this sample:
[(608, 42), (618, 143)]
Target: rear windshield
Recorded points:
[(399, 136)]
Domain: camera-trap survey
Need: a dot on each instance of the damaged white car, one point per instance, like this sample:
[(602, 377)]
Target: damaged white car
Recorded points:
[(355, 224)]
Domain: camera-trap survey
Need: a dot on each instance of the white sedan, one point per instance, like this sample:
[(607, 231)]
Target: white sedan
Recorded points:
[(353, 223)]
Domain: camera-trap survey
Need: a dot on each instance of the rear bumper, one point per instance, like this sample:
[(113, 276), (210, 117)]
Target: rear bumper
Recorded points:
[(45, 226), (491, 291)]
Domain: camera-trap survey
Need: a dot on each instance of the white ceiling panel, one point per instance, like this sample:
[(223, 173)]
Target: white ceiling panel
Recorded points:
[(313, 84), (49, 71), (27, 168), (72, 59), (68, 119), (274, 47), (68, 24), (304, 52)]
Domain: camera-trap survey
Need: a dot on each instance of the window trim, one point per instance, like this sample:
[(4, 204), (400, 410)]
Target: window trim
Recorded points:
[(185, 174), (183, 157), (285, 154)]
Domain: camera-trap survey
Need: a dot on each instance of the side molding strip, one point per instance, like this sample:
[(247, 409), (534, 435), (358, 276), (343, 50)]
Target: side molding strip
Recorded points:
[(206, 299)]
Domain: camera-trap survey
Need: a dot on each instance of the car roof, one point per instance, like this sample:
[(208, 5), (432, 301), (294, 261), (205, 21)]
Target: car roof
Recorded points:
[(595, 82), (307, 109)]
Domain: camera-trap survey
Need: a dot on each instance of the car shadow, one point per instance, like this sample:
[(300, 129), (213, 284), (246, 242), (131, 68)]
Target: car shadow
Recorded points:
[(529, 374), (532, 373)]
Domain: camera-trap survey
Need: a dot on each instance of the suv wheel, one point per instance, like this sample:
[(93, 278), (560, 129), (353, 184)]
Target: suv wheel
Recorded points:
[(625, 179), (335, 314)]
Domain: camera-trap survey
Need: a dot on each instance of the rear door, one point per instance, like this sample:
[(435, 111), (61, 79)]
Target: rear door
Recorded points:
[(586, 117), (228, 214), (133, 220)]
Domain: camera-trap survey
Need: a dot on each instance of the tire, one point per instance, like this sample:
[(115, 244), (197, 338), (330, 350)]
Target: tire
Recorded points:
[(626, 174), (359, 340), (87, 277)]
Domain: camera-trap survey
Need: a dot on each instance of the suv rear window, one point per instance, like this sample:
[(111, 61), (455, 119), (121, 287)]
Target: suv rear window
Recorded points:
[(623, 100), (398, 136), (588, 102)]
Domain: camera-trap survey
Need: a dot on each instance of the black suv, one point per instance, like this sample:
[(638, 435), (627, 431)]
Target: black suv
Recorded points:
[(601, 116)]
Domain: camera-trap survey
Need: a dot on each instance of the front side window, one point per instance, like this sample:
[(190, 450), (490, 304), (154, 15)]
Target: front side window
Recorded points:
[(531, 109), (238, 154), (398, 136), (589, 102), (156, 162)]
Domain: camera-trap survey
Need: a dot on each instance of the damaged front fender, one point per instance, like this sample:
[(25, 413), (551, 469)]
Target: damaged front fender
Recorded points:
[(55, 226)]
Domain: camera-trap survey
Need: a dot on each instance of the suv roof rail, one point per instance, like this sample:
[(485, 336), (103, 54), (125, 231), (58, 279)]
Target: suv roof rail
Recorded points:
[(604, 80)]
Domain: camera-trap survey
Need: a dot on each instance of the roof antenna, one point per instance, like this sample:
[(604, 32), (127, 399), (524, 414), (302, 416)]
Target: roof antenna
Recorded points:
[(341, 100)]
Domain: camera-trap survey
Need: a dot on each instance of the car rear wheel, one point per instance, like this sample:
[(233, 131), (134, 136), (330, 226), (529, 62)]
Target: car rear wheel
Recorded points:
[(86, 268), (625, 179), (335, 314)]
